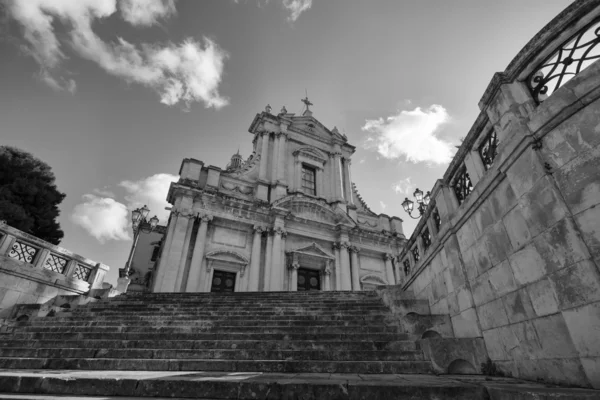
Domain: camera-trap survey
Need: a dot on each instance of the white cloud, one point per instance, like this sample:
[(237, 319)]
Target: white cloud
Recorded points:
[(296, 7), (382, 205), (107, 219), (151, 191), (403, 186), (146, 12), (103, 218), (179, 73), (411, 134)]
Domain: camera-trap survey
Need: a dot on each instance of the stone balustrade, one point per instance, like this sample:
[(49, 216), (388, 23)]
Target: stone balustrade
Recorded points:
[(34, 271), (509, 245)]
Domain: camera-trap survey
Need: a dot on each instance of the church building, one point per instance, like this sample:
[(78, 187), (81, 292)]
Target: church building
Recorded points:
[(288, 218)]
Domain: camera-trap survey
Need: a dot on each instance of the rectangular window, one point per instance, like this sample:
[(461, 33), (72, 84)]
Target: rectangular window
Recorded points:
[(155, 253), (309, 181)]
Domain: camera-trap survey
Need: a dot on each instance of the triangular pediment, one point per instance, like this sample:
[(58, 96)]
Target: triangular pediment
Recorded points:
[(313, 250), (310, 126)]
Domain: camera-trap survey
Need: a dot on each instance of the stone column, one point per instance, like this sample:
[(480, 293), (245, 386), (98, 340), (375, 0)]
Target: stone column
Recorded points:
[(268, 261), (264, 156), (297, 175), (398, 268), (348, 191), (162, 265), (355, 275), (281, 157), (338, 267), (294, 274), (337, 172), (194, 283), (389, 269), (184, 255), (276, 267), (171, 259), (254, 273), (275, 159), (327, 277), (320, 182), (345, 263)]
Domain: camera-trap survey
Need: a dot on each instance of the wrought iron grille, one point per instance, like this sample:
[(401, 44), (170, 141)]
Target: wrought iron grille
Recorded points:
[(489, 149), (82, 272), (415, 253), (426, 237), (436, 219), (574, 55), (22, 252), (462, 185), (56, 263), (406, 264)]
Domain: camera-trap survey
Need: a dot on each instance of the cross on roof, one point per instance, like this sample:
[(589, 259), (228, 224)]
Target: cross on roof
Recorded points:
[(306, 102)]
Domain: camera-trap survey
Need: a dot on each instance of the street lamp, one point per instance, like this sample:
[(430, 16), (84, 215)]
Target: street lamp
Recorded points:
[(138, 224), (422, 201)]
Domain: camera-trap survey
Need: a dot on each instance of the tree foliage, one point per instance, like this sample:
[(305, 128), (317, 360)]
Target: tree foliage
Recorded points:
[(29, 198)]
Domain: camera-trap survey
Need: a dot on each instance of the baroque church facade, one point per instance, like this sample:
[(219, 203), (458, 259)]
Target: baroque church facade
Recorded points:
[(287, 218)]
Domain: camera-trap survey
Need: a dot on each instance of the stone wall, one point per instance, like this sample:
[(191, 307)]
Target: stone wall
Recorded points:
[(517, 261), (35, 271)]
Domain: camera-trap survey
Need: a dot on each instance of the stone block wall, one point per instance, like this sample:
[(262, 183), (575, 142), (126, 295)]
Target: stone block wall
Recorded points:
[(517, 262)]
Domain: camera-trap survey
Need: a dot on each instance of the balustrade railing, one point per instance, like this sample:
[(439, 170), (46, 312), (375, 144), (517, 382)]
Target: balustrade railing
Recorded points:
[(37, 253)]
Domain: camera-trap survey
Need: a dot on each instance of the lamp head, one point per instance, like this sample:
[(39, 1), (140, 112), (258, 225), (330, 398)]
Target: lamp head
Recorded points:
[(407, 205), (153, 222), (418, 195), (145, 210), (427, 198), (136, 216)]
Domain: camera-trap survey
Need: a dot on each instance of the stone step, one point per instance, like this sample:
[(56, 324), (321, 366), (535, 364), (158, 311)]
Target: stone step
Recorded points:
[(209, 327), (292, 366), (238, 318), (135, 385), (200, 313), (348, 336), (228, 309), (332, 354), (400, 345)]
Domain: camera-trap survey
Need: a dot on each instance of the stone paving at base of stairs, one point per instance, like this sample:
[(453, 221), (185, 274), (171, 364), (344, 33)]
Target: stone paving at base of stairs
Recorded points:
[(65, 384)]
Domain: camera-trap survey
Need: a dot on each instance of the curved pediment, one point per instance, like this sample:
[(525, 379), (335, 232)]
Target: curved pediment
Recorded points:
[(311, 153), (373, 279), (306, 208)]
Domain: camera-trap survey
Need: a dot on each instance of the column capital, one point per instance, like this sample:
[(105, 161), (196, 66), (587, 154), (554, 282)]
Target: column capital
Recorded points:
[(280, 231), (294, 265), (346, 245), (205, 218), (336, 245), (388, 257), (353, 249), (259, 229)]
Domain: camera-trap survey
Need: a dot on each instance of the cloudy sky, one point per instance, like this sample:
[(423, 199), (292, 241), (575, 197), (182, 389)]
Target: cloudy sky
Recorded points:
[(113, 94)]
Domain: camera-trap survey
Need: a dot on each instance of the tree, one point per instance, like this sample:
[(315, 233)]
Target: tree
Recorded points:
[(29, 198)]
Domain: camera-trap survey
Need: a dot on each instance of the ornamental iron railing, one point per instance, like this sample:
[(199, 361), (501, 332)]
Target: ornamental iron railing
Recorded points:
[(437, 220), (406, 264), (488, 150), (415, 253), (426, 238), (462, 185), (571, 57), (56, 263), (82, 272), (22, 252)]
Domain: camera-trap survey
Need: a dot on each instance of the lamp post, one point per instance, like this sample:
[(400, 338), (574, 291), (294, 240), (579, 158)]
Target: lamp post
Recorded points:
[(138, 224), (422, 201)]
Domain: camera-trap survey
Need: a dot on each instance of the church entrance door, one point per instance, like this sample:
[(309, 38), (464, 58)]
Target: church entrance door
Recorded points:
[(308, 279), (223, 281)]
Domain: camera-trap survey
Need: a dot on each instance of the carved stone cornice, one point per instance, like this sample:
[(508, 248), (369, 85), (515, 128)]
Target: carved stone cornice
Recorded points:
[(294, 265)]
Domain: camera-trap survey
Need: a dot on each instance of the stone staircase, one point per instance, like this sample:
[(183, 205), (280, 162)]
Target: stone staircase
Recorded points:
[(277, 345), (324, 332)]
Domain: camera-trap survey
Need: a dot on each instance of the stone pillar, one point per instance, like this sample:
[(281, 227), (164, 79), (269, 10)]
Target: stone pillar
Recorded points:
[(264, 156), (345, 263), (389, 269), (194, 283), (337, 172), (254, 273), (184, 255), (268, 261), (327, 277), (398, 268), (355, 275), (162, 265), (275, 159), (170, 259), (297, 175), (276, 280), (294, 274), (348, 188), (320, 182), (338, 267), (281, 157)]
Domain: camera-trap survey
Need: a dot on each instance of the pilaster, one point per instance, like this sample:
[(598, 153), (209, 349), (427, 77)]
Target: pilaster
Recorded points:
[(355, 268), (338, 268), (389, 269), (254, 274), (194, 281), (345, 262)]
